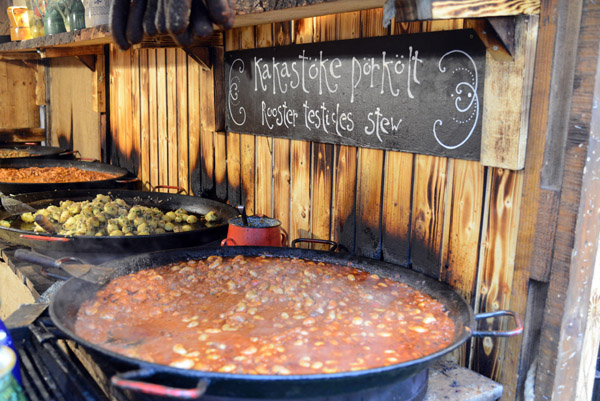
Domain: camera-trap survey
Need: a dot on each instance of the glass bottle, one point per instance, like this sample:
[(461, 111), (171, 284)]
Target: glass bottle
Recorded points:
[(77, 15), (53, 21)]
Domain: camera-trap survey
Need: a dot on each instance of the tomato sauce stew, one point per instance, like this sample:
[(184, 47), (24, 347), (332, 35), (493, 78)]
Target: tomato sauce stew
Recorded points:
[(52, 175), (262, 315)]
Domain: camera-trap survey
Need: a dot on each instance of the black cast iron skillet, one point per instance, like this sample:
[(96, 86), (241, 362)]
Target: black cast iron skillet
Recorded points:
[(38, 152), (90, 248), (119, 181), (68, 299)]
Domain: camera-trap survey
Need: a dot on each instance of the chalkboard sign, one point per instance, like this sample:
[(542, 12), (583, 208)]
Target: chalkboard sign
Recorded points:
[(420, 93)]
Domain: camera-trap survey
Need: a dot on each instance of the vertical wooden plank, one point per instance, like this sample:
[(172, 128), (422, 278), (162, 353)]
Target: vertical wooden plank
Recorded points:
[(194, 126), (207, 124), (397, 191), (396, 210), (429, 189), (464, 227), (163, 112), (247, 142), (369, 170), (281, 149), (40, 81), (232, 42), (98, 86), (153, 127), (300, 159), (497, 265), (172, 120), (4, 100), (182, 121), (218, 70), (323, 156), (135, 115), (124, 111), (344, 182), (144, 173), (264, 145)]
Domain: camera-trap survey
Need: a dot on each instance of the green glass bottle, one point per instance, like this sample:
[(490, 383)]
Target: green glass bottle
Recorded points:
[(77, 15)]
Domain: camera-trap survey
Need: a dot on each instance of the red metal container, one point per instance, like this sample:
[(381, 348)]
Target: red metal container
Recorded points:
[(260, 231)]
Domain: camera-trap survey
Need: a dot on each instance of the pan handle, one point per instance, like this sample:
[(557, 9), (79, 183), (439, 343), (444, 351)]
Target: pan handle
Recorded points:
[(509, 333), (44, 238), (130, 381), (180, 190), (316, 241)]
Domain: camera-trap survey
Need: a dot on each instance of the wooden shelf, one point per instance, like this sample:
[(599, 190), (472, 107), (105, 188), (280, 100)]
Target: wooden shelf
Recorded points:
[(254, 12), (85, 41)]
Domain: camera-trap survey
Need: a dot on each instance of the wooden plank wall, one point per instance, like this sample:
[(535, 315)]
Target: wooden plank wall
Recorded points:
[(17, 89), (74, 124), (454, 220)]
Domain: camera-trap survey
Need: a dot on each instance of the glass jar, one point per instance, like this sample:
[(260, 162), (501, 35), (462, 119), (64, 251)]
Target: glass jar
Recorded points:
[(36, 10), (55, 20), (77, 15)]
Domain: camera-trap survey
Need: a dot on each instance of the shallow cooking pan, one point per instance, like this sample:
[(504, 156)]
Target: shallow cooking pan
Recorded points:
[(37, 152), (131, 372), (91, 248), (122, 177)]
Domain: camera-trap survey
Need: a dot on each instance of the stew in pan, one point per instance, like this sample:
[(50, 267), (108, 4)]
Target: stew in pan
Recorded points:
[(51, 175), (264, 315)]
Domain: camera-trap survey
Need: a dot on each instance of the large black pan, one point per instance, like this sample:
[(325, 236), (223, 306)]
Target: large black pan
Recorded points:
[(38, 152), (75, 291), (93, 249), (119, 181)]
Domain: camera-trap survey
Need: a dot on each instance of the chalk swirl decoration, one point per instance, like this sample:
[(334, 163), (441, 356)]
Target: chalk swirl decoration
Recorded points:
[(233, 98), (471, 109)]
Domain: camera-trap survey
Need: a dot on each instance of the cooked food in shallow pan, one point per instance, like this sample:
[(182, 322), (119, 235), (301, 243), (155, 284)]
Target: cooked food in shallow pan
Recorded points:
[(259, 315), (52, 175), (112, 216)]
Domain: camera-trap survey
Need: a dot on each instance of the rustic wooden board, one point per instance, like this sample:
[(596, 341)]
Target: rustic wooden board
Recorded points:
[(281, 149), (497, 266), (74, 123), (324, 29), (194, 126), (264, 145), (300, 159), (171, 117), (234, 196), (343, 213), (135, 116), (182, 121), (154, 116), (370, 170), (17, 96), (207, 124), (429, 190), (98, 85), (163, 110), (397, 192), (144, 172), (508, 100), (247, 142)]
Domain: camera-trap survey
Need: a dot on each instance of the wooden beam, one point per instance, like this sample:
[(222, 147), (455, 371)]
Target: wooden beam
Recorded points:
[(53, 52), (493, 42), (22, 134), (443, 9), (507, 102)]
